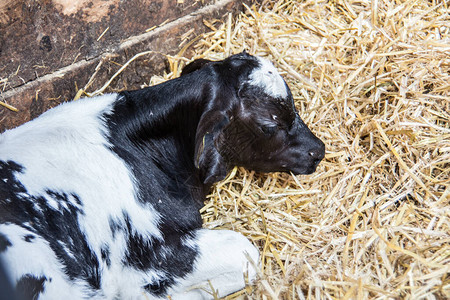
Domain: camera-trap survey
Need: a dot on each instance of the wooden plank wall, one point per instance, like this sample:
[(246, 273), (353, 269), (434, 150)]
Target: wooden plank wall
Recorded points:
[(50, 48)]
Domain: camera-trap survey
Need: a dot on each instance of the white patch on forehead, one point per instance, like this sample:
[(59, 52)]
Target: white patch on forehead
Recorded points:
[(268, 78)]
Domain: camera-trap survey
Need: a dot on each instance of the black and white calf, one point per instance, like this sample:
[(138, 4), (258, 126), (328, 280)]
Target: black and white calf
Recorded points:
[(100, 197)]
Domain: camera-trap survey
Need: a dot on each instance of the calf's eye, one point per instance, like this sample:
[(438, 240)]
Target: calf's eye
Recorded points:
[(269, 130)]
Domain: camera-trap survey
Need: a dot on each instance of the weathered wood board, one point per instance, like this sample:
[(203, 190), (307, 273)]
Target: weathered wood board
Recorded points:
[(50, 48)]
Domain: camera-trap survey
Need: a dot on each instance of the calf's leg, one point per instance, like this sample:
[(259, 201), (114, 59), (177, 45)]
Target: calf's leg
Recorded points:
[(221, 268)]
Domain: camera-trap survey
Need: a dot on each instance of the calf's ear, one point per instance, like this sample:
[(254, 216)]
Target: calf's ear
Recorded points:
[(194, 66), (208, 160)]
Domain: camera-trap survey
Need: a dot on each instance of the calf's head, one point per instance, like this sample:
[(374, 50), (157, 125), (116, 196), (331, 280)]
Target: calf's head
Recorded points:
[(252, 122)]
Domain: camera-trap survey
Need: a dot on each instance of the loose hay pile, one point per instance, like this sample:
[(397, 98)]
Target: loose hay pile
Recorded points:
[(371, 79)]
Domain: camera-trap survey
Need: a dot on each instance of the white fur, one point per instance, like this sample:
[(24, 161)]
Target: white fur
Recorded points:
[(268, 78)]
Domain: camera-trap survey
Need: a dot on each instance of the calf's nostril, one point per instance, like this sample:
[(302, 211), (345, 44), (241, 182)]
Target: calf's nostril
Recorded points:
[(316, 154)]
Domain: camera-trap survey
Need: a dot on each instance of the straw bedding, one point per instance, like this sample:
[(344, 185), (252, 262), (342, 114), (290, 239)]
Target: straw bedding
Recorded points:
[(371, 79)]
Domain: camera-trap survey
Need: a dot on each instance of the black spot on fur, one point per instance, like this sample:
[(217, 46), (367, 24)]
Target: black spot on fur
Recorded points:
[(9, 186), (29, 238), (157, 288), (4, 243), (114, 226), (58, 226), (106, 255), (29, 287)]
